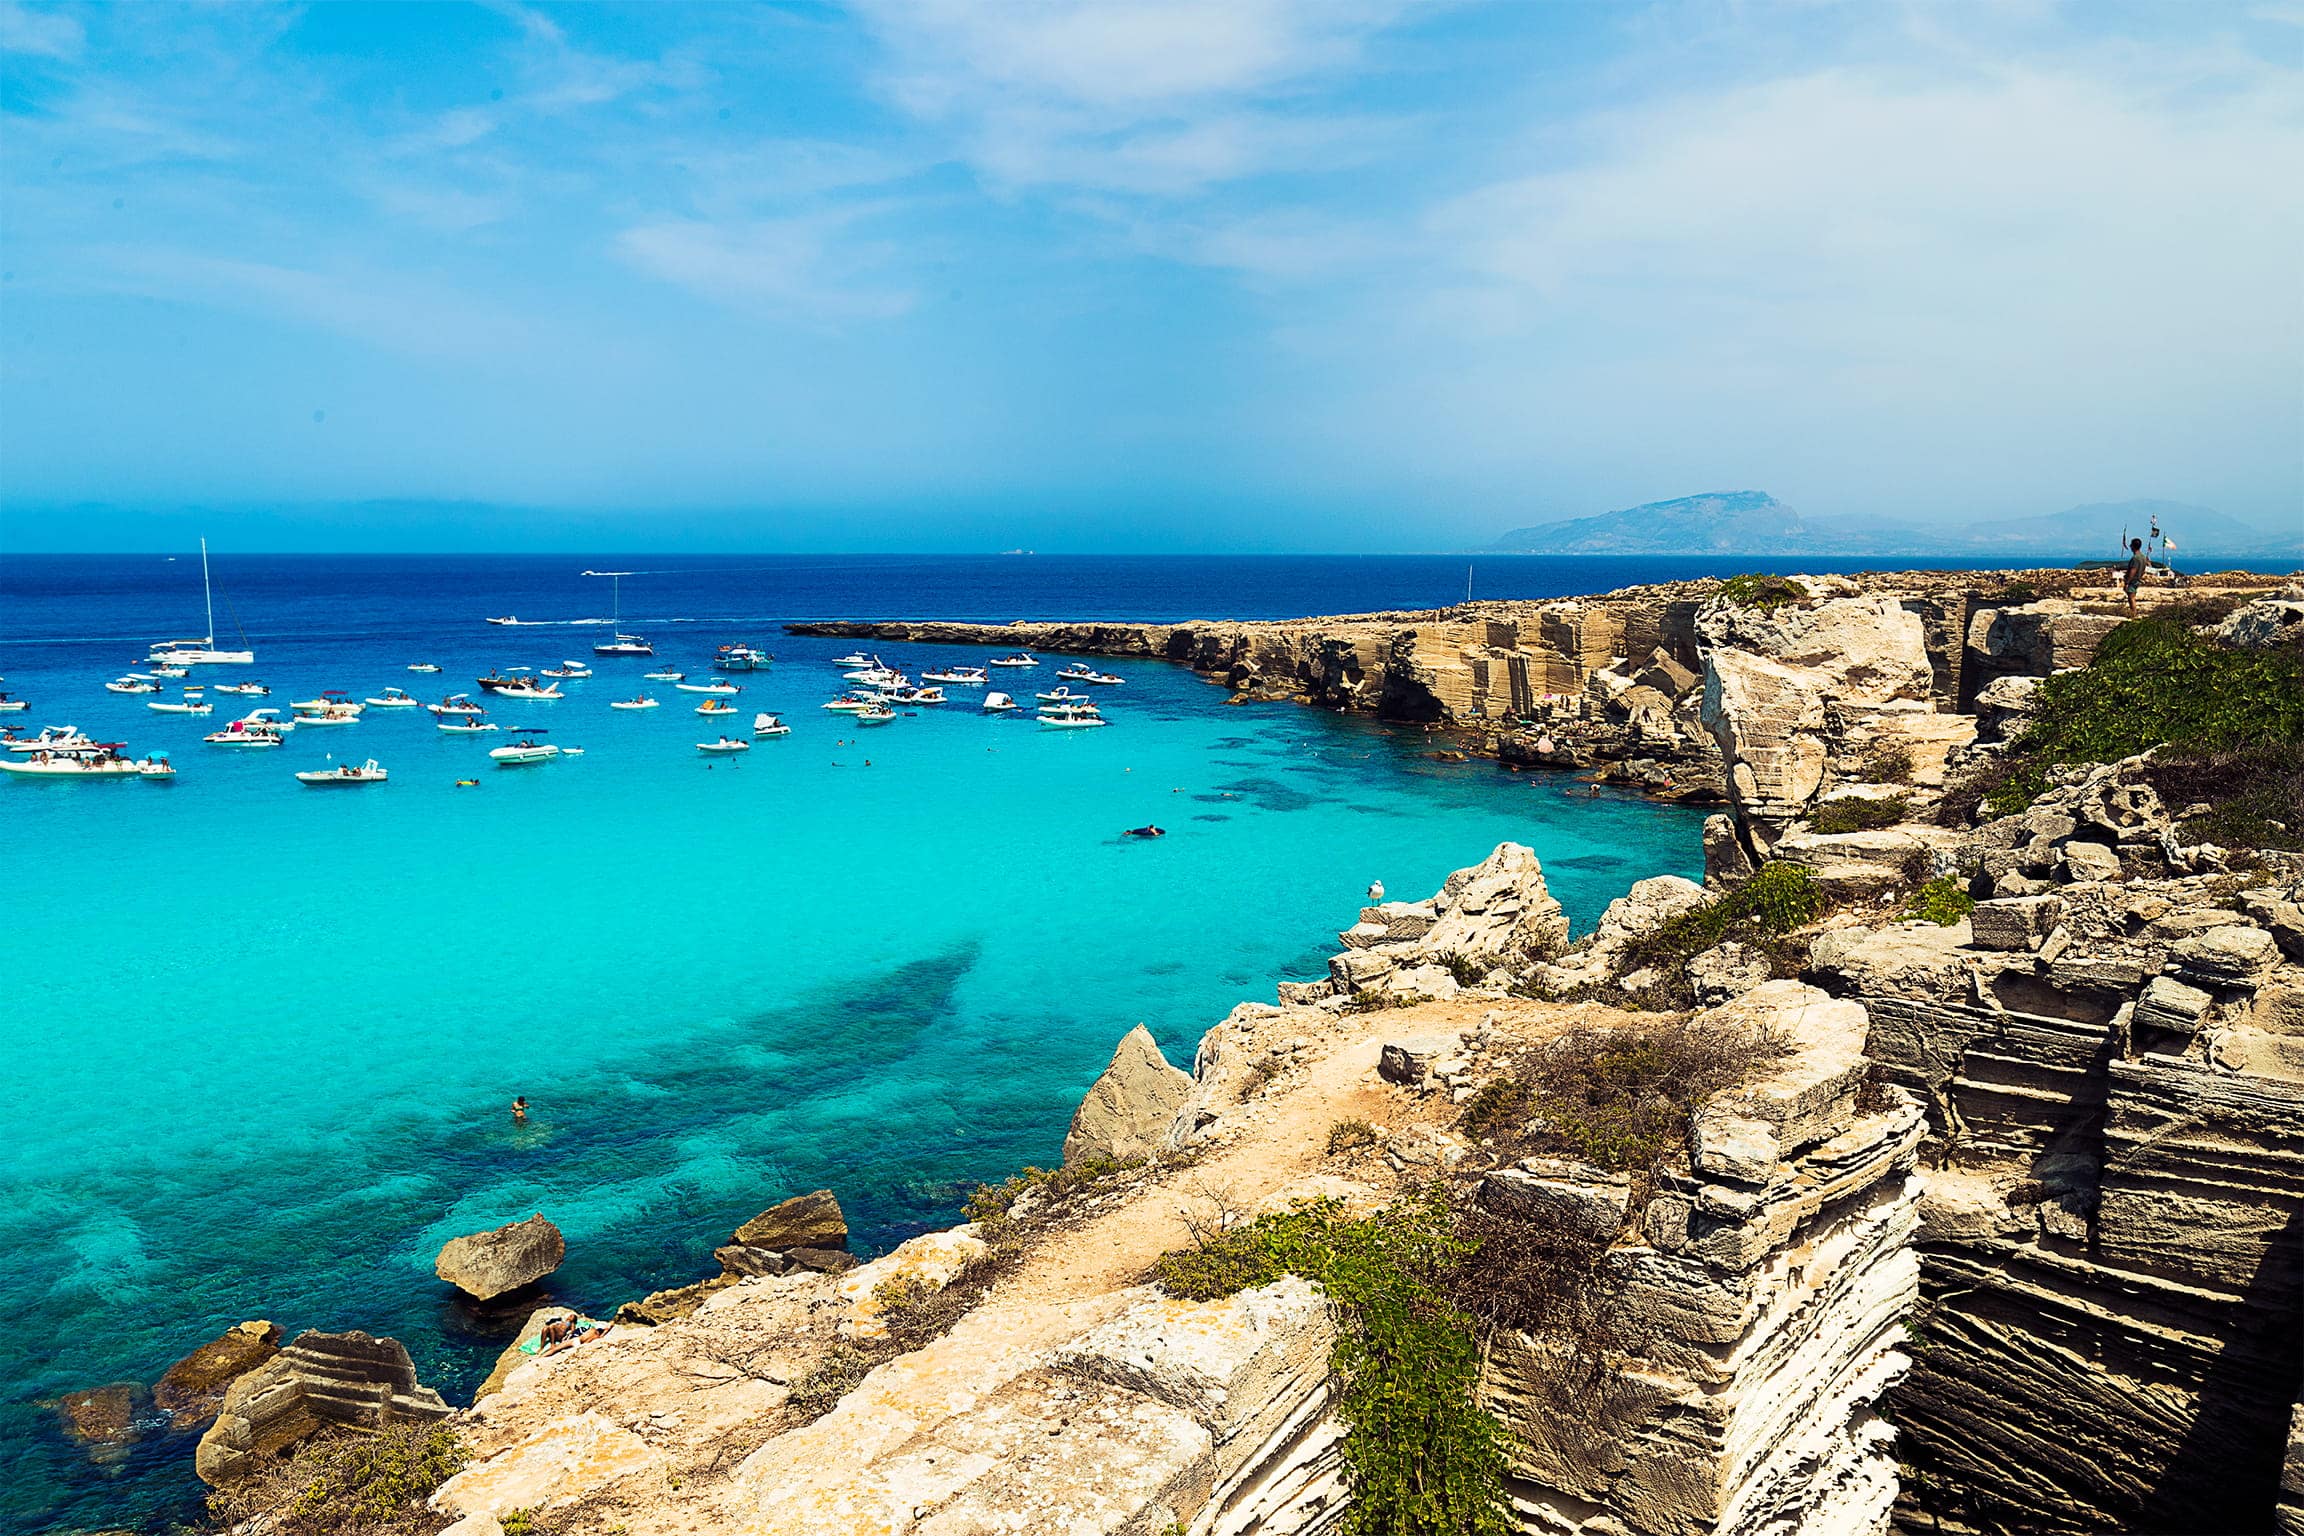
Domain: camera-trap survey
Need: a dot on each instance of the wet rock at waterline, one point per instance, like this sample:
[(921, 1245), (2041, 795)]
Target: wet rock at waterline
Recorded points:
[(813, 1220), (488, 1264), (194, 1387)]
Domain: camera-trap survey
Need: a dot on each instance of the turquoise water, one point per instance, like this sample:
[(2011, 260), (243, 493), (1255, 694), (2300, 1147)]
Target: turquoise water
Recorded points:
[(261, 1038)]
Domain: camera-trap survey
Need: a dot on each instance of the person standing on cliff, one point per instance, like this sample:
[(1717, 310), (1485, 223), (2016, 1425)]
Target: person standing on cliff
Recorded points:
[(2133, 577)]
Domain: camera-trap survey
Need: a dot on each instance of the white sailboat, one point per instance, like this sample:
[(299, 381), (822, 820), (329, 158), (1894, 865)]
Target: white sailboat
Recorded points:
[(201, 652)]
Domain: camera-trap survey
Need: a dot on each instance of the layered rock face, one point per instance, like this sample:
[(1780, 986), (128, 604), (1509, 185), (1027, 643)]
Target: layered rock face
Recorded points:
[(2112, 1246), (1763, 1296), (321, 1380)]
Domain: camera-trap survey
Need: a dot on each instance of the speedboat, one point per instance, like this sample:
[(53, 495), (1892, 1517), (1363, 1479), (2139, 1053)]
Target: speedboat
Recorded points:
[(908, 694), (467, 726), (331, 714), (252, 690), (329, 699), (132, 682), (9, 706), (715, 707), (53, 738), (1103, 680), (423, 666), (717, 689), (1071, 717), (344, 773), (1000, 704), (524, 688), (395, 698), (854, 703), (855, 659), (190, 704), (257, 728), (724, 745), (665, 675), (1062, 696), (96, 760), (1019, 659), (741, 658), (1083, 673), (877, 714), (966, 677), (568, 669), (456, 704), (507, 619), (642, 702), (765, 724), (879, 677), (625, 645), (526, 750), (496, 680), (166, 669)]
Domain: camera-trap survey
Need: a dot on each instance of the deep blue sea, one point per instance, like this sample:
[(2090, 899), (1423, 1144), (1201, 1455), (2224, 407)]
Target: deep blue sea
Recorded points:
[(259, 1040)]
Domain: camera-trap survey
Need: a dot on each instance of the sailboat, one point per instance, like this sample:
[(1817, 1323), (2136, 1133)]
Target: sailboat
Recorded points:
[(200, 652), (623, 644)]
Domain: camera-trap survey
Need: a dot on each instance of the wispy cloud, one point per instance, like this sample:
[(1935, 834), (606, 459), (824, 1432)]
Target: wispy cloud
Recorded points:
[(44, 33), (784, 268)]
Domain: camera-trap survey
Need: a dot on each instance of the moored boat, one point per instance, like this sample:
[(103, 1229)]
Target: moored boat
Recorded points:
[(715, 707), (765, 724), (423, 666), (568, 669), (1015, 659), (1072, 717), (132, 682), (878, 714), (456, 704), (527, 750), (395, 698), (344, 774), (664, 675), (741, 658), (965, 677), (52, 738), (723, 746), (13, 706), (191, 704), (717, 689), (854, 659), (96, 760), (257, 728), (1000, 704), (641, 702), (253, 690)]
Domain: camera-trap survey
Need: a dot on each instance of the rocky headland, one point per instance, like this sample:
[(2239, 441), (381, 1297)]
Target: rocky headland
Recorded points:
[(1937, 1163)]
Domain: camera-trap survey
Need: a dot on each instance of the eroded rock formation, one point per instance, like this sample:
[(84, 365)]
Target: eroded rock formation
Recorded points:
[(321, 1380), (1128, 1110), (488, 1264)]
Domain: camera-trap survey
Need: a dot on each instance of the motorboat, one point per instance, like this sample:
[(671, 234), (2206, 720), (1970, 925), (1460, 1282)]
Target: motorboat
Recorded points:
[(332, 714), (1000, 704), (525, 688), (52, 738), (257, 728), (855, 659), (715, 688), (724, 745), (165, 669), (642, 702), (878, 677), (854, 703), (908, 694), (715, 707), (517, 754), (664, 675), (395, 698), (423, 666), (1072, 717), (741, 658), (1063, 696), (328, 699), (190, 704), (9, 706), (1018, 659), (507, 619), (96, 760), (465, 727), (625, 645), (1087, 674), (765, 724), (496, 680), (965, 677), (878, 714), (201, 652), (568, 669), (132, 682), (456, 704), (252, 690), (344, 773)]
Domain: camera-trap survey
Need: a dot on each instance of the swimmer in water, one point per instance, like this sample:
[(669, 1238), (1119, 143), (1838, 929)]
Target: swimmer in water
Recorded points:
[(520, 1110)]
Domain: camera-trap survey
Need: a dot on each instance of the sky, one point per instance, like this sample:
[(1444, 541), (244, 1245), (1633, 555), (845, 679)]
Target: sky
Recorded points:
[(1239, 275)]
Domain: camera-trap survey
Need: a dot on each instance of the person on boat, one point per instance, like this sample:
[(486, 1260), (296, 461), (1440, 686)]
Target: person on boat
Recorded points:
[(2133, 576), (519, 1109)]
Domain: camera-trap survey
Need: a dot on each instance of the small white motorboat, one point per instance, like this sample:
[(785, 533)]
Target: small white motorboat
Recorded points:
[(1083, 673), (395, 698), (642, 702), (1062, 696), (765, 724), (133, 682), (878, 714), (52, 738), (664, 675), (523, 688), (568, 669), (456, 704), (257, 728), (853, 703), (332, 698), (163, 669), (1019, 659), (715, 707), (718, 690), (526, 750), (252, 690), (965, 677), (423, 666), (741, 658), (344, 773), (878, 677), (855, 659), (911, 695), (9, 706), (507, 619), (1000, 704), (1072, 717), (725, 744), (190, 704), (465, 726), (332, 714)]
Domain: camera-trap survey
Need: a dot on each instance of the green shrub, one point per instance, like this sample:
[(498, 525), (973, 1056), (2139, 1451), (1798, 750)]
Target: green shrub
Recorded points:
[(1500, 1105), (1420, 1455), (1889, 763), (1350, 1136), (1623, 1099), (1778, 898), (1942, 901), (2254, 795), (1854, 813), (1765, 593), (2154, 683), (344, 1483)]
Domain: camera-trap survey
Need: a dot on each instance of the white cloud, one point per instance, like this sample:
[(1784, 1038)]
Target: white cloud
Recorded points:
[(779, 267), (48, 34)]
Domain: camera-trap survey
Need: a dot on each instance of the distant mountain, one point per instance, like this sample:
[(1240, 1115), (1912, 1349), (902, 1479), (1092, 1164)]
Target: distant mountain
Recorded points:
[(1756, 523)]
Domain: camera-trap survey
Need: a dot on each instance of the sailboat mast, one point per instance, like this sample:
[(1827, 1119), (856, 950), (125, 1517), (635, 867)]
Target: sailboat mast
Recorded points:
[(207, 596)]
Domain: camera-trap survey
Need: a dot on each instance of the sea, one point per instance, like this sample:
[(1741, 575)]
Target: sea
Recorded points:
[(259, 1040)]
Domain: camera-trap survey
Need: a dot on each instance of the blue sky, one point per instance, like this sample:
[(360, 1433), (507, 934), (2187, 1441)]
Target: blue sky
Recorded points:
[(1258, 274)]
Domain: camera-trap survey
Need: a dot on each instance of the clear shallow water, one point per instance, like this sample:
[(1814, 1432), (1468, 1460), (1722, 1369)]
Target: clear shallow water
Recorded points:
[(259, 1039)]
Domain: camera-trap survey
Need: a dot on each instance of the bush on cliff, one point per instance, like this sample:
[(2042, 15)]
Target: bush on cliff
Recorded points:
[(1859, 814), (1942, 901), (1762, 912), (1420, 1454), (346, 1484), (1765, 593), (2154, 683)]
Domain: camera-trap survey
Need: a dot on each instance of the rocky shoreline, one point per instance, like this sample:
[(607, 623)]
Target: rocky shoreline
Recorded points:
[(1989, 1217)]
